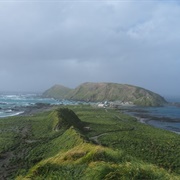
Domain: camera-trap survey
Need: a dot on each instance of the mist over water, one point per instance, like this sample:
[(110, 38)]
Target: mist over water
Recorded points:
[(173, 98)]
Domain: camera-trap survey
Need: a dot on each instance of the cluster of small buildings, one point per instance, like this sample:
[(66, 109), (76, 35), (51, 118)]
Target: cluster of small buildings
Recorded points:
[(115, 104)]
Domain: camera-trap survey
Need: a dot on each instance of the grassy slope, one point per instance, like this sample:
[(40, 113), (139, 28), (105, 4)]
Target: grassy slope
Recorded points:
[(57, 91), (114, 91), (131, 150)]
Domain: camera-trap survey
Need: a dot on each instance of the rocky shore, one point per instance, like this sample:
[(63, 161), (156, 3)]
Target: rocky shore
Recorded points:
[(36, 108), (144, 116)]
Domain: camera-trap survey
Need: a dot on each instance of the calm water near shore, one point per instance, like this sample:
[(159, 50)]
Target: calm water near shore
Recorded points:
[(167, 117)]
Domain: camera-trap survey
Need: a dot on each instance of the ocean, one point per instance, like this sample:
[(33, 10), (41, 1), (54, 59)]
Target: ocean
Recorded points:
[(12, 104), (167, 117)]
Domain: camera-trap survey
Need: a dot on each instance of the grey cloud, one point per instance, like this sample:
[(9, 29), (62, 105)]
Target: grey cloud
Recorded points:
[(44, 43)]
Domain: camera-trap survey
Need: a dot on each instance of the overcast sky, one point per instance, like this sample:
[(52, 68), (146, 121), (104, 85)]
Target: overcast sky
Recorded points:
[(136, 42)]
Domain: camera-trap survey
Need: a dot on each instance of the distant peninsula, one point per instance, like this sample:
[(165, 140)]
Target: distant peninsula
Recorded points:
[(99, 92)]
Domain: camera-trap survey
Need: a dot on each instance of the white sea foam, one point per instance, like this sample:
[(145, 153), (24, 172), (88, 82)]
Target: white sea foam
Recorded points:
[(11, 96), (8, 111), (19, 101), (13, 114)]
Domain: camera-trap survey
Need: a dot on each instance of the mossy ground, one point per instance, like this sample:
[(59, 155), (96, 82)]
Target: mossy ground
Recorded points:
[(115, 147)]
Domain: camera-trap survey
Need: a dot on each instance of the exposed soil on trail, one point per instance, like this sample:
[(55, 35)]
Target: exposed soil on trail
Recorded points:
[(95, 138)]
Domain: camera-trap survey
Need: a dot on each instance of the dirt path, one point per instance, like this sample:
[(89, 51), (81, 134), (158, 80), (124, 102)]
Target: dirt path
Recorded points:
[(95, 138)]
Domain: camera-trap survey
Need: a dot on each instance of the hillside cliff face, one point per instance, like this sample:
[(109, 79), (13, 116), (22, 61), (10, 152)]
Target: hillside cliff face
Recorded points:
[(65, 118), (96, 92)]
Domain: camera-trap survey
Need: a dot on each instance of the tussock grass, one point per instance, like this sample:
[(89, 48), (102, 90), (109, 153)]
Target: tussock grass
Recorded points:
[(130, 150)]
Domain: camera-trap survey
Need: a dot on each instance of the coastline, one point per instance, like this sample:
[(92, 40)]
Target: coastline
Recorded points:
[(37, 108), (29, 110), (142, 115), (149, 122), (145, 117)]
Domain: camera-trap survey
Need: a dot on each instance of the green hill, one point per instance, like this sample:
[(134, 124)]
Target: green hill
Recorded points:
[(57, 91), (115, 147), (97, 92)]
